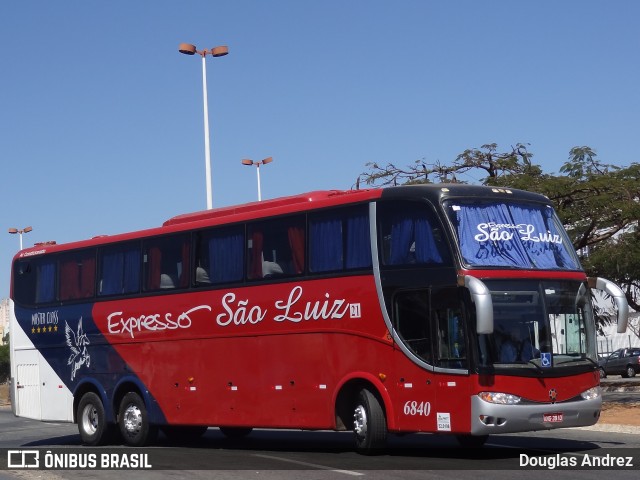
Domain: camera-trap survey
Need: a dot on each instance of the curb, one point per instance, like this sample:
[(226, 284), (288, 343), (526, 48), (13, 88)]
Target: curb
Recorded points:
[(611, 428)]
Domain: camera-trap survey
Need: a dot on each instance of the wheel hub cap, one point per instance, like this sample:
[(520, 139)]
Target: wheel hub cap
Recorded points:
[(360, 421), (132, 419), (90, 419)]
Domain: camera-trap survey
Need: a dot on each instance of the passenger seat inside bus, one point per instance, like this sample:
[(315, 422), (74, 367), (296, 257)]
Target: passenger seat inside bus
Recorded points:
[(167, 281), (271, 269), (202, 277)]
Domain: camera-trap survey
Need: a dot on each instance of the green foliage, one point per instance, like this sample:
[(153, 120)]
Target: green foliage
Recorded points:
[(619, 261), (4, 363)]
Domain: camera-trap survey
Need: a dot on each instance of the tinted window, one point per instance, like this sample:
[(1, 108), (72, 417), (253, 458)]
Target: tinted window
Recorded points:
[(166, 262), (276, 248), (35, 280), (339, 240), (219, 256), (119, 269), (412, 322), (77, 275), (411, 234)]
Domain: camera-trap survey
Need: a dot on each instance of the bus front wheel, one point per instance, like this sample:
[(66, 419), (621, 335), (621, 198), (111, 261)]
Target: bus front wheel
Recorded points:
[(133, 421), (369, 423), (92, 420)]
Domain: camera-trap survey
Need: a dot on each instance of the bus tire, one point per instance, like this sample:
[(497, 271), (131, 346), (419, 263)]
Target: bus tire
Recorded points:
[(235, 432), (92, 420), (369, 424), (133, 421)]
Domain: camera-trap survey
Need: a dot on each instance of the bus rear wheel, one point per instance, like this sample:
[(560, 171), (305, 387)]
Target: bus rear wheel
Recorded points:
[(92, 420), (133, 421), (369, 424)]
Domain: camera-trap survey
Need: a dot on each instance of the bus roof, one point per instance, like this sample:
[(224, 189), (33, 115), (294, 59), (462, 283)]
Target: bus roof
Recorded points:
[(216, 216), (266, 207), (291, 204)]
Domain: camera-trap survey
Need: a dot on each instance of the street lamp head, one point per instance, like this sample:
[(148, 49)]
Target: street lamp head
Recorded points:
[(187, 49), (220, 51), (13, 230), (267, 160), (27, 229), (246, 161)]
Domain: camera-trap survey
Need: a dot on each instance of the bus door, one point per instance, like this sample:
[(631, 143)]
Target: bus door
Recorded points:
[(452, 407), (413, 388)]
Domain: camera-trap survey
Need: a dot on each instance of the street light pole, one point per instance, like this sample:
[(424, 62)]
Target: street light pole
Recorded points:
[(247, 161), (220, 51), (13, 231)]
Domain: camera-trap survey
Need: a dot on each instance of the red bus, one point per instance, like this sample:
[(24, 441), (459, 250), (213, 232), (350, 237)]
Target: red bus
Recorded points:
[(452, 309)]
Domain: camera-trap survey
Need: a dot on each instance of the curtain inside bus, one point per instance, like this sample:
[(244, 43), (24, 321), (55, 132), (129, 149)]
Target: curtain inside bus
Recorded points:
[(45, 282), (412, 240), (120, 270), (511, 235), (225, 257), (296, 243), (357, 242), (77, 275), (339, 240)]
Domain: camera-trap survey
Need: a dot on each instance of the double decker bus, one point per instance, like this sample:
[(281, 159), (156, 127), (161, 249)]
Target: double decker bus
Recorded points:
[(449, 309)]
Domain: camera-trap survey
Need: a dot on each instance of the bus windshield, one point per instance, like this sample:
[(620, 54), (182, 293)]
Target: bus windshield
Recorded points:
[(539, 324), (511, 235)]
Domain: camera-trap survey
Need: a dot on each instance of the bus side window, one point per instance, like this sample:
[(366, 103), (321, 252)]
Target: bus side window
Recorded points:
[(412, 322), (276, 248), (411, 234), (119, 267), (450, 325), (451, 345), (219, 256), (77, 275), (35, 281), (45, 281), (166, 262), (339, 240)]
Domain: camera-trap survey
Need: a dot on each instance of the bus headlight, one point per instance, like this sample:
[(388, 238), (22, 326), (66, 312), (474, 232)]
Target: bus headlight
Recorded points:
[(499, 398), (592, 393)]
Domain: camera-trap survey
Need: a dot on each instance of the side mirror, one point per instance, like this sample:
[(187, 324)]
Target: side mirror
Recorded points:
[(481, 296), (619, 299)]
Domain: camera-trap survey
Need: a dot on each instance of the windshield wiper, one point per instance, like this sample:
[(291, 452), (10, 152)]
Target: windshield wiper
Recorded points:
[(540, 369)]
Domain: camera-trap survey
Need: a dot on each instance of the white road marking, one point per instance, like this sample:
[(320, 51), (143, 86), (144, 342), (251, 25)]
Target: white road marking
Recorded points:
[(307, 464)]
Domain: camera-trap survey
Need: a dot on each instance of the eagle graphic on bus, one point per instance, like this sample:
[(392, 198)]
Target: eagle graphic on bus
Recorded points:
[(77, 342)]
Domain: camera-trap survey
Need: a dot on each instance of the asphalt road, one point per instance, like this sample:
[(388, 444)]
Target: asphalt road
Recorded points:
[(294, 454), (328, 455)]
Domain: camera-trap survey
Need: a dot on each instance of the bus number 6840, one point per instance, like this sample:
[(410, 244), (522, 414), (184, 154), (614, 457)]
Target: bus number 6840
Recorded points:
[(412, 407)]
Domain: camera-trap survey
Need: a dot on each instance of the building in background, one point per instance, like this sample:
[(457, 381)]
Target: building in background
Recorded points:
[(611, 340), (4, 319)]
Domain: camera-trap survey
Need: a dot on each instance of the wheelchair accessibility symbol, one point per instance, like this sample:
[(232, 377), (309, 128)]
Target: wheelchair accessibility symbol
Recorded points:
[(545, 359)]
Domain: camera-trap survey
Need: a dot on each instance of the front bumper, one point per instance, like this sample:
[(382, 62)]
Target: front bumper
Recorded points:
[(490, 419)]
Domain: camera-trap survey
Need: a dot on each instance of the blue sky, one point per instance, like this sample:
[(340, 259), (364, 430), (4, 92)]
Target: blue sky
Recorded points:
[(101, 127)]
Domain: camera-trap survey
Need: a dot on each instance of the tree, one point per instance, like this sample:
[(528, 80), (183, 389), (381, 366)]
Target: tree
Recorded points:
[(598, 203), (487, 159), (4, 363)]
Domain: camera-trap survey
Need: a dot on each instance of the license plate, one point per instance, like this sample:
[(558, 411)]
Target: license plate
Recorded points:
[(553, 417)]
